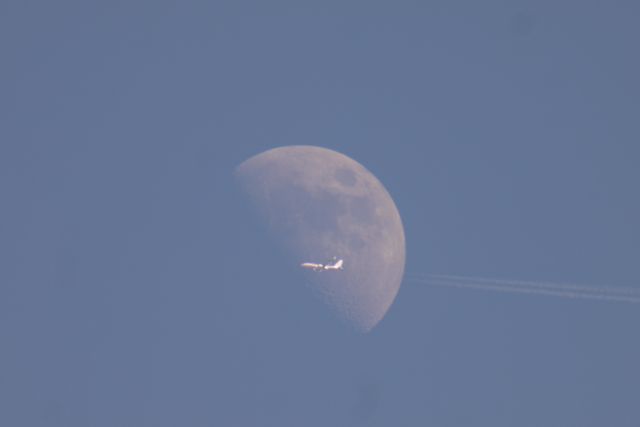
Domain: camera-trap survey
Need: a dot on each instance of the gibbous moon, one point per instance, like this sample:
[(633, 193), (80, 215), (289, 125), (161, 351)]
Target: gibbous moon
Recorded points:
[(318, 203)]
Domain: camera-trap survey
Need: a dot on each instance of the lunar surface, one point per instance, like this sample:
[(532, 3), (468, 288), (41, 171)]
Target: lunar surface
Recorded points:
[(317, 204)]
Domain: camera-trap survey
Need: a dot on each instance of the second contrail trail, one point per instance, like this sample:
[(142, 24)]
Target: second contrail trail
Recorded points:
[(619, 294)]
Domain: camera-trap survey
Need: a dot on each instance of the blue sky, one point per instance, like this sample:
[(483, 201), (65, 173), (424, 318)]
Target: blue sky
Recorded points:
[(506, 132)]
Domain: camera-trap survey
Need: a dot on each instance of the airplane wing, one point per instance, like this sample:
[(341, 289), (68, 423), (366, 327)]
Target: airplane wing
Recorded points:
[(336, 265)]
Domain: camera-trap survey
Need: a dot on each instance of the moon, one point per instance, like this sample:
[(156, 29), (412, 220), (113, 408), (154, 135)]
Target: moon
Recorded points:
[(317, 203)]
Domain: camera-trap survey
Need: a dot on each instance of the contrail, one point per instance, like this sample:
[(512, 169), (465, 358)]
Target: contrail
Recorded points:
[(540, 288), (546, 285)]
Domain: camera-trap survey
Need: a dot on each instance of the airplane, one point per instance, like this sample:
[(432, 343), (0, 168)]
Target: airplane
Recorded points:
[(336, 264)]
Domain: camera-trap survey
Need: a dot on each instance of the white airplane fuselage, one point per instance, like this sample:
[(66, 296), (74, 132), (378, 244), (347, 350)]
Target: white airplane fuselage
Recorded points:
[(312, 266), (336, 265)]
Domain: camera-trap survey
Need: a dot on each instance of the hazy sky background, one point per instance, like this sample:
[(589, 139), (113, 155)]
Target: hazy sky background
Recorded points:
[(506, 132)]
